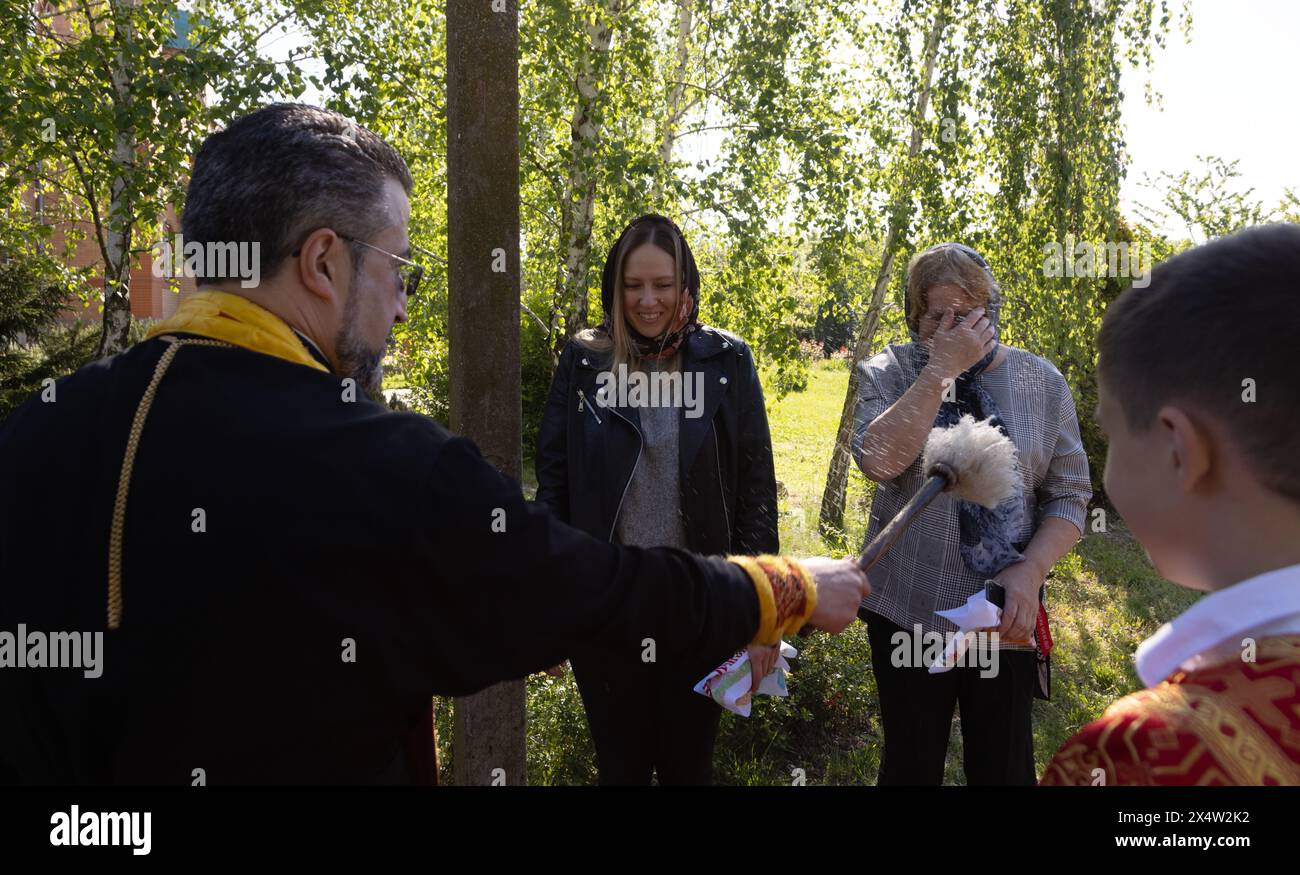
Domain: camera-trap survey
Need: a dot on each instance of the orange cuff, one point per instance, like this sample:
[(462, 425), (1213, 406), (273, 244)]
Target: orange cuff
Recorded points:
[(787, 595)]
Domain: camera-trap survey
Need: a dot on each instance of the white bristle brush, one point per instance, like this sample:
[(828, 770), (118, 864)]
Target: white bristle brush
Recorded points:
[(972, 460)]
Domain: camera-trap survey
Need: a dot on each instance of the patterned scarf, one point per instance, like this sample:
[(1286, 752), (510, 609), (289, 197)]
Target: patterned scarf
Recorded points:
[(986, 534)]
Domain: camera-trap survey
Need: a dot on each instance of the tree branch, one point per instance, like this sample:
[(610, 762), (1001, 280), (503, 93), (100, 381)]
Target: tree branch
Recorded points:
[(94, 207)]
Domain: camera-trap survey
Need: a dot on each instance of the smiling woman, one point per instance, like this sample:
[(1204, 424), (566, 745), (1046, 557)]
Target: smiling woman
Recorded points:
[(689, 467), (651, 304), (650, 292)]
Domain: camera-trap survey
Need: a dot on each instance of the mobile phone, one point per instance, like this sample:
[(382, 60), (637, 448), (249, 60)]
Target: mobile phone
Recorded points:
[(995, 594)]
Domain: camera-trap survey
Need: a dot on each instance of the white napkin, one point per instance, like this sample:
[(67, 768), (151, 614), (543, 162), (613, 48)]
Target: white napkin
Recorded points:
[(729, 684), (977, 613)]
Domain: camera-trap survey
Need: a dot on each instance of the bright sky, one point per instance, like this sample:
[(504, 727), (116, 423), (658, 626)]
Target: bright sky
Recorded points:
[(1230, 92)]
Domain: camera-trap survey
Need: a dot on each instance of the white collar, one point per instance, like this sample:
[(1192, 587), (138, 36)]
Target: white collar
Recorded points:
[(1210, 630), (313, 348)]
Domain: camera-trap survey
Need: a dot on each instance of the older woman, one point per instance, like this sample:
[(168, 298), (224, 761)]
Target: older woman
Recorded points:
[(955, 366)]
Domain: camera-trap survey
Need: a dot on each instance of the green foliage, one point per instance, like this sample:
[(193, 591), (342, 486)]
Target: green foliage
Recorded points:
[(1210, 204), (105, 116), (829, 726), (535, 367), (782, 162), (34, 345), (560, 750)]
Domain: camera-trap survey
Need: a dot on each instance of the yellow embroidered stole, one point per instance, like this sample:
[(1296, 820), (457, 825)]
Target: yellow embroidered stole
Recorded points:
[(223, 316)]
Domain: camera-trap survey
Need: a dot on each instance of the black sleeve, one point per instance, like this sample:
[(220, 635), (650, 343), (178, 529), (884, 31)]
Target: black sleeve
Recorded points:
[(552, 460), (756, 507), (513, 590)]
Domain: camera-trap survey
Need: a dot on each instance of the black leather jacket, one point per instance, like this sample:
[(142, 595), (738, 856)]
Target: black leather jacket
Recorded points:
[(586, 452)]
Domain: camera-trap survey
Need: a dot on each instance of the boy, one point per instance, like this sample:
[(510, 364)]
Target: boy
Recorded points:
[(1199, 395)]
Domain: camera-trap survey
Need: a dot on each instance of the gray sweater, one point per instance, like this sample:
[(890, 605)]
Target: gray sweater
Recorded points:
[(651, 515)]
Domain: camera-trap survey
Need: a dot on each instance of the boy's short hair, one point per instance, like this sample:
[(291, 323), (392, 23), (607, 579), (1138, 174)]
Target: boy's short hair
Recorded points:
[(1214, 317)]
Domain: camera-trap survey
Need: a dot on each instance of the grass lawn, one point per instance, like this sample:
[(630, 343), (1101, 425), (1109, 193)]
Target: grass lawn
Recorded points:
[(1103, 598)]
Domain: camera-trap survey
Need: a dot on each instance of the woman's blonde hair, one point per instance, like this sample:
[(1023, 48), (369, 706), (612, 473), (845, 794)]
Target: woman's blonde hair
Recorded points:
[(613, 339), (614, 343), (946, 264)]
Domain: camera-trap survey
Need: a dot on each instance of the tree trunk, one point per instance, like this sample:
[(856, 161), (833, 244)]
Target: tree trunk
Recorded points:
[(673, 117), (831, 519), (483, 317), (117, 236), (580, 190)]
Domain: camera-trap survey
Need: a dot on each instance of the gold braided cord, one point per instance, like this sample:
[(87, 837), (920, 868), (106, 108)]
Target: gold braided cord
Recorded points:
[(124, 480)]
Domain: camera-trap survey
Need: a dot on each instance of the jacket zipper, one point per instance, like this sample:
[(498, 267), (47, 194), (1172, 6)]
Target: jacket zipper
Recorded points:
[(640, 444), (717, 455), (582, 401)]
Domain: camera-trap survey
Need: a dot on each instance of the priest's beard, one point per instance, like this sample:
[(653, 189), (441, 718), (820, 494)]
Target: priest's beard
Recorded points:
[(357, 360)]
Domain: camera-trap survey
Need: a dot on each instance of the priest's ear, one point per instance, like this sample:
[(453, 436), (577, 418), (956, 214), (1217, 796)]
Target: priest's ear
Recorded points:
[(322, 262)]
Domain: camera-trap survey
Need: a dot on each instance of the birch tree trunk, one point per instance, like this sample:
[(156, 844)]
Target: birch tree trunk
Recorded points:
[(580, 189), (831, 519), (117, 236), (677, 91)]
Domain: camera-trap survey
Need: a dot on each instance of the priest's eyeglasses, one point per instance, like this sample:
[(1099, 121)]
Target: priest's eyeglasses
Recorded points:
[(409, 272)]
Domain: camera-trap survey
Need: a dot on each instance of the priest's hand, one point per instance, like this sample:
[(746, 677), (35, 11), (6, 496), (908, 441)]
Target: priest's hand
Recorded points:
[(841, 587)]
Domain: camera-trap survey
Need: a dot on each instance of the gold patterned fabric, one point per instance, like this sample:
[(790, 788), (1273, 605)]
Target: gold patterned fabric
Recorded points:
[(787, 594), (1235, 723)]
